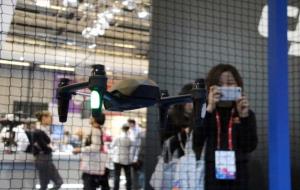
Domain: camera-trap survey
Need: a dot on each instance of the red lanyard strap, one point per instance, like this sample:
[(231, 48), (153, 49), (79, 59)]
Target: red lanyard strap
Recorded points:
[(230, 125), (102, 145)]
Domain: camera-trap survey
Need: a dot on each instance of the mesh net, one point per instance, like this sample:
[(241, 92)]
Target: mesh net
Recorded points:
[(171, 42), (44, 41), (188, 38), (293, 55)]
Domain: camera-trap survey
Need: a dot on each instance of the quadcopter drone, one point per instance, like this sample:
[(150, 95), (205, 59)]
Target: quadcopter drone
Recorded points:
[(129, 94)]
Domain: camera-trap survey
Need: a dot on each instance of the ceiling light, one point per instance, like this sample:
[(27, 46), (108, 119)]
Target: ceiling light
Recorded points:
[(125, 2), (117, 7), (115, 10), (71, 43), (71, 3), (145, 72), (96, 31), (102, 21), (143, 13), (86, 33), (98, 28), (92, 46), (109, 73), (86, 7), (52, 67), (43, 3), (59, 8), (100, 31), (18, 63), (108, 15), (125, 45), (21, 58), (129, 4)]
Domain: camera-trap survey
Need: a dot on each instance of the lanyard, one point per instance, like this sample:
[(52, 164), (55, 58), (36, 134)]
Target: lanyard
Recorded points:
[(230, 125), (102, 145)]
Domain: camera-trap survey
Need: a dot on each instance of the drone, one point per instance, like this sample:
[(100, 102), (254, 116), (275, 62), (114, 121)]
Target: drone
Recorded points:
[(128, 94)]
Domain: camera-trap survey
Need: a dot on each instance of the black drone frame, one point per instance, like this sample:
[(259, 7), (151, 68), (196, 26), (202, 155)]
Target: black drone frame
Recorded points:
[(117, 102)]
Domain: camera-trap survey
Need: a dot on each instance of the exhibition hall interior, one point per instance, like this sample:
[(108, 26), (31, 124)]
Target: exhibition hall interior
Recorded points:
[(149, 94)]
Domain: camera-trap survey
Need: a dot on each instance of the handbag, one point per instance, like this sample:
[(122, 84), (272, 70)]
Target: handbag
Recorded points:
[(189, 172), (163, 176)]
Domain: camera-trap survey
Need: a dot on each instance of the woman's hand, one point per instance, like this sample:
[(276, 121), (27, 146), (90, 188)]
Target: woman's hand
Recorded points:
[(242, 106), (214, 96), (77, 150)]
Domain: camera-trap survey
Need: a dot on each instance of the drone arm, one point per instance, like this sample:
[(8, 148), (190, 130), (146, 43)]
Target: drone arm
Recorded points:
[(72, 87), (181, 99)]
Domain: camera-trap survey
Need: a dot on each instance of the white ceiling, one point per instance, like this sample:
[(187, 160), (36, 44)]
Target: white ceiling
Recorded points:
[(44, 36)]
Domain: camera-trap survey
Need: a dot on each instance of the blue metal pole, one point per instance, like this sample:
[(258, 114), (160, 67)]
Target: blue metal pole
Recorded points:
[(279, 147)]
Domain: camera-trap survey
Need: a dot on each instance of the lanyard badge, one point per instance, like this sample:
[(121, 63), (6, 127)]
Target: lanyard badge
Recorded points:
[(225, 165)]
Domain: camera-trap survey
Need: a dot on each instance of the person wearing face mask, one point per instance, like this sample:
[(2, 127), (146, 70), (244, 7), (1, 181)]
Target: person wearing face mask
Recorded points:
[(229, 132), (43, 152)]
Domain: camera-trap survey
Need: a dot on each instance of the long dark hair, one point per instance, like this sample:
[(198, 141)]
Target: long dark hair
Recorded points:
[(214, 74), (100, 119), (178, 118)]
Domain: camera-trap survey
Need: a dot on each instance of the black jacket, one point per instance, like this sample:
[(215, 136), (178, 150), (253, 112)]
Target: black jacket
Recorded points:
[(244, 138), (40, 143), (244, 141)]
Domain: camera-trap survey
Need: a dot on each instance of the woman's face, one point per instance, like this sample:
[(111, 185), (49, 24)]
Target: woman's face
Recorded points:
[(227, 80), (47, 120), (188, 107)]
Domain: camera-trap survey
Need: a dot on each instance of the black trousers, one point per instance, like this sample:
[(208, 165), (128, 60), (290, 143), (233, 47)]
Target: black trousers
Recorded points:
[(92, 182), (118, 168), (47, 171)]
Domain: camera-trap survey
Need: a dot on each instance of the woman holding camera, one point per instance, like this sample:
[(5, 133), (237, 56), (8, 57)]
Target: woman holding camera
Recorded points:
[(228, 131)]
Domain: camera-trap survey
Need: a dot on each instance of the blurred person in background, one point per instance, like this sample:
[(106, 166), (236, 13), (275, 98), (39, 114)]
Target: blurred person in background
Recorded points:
[(21, 138), (122, 156), (134, 129), (107, 139), (94, 157), (138, 165), (42, 151), (30, 128), (74, 139), (135, 134)]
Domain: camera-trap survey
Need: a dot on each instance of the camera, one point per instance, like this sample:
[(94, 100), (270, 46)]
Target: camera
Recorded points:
[(230, 93)]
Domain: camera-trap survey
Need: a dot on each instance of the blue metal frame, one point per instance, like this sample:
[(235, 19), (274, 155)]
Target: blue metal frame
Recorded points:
[(279, 147)]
